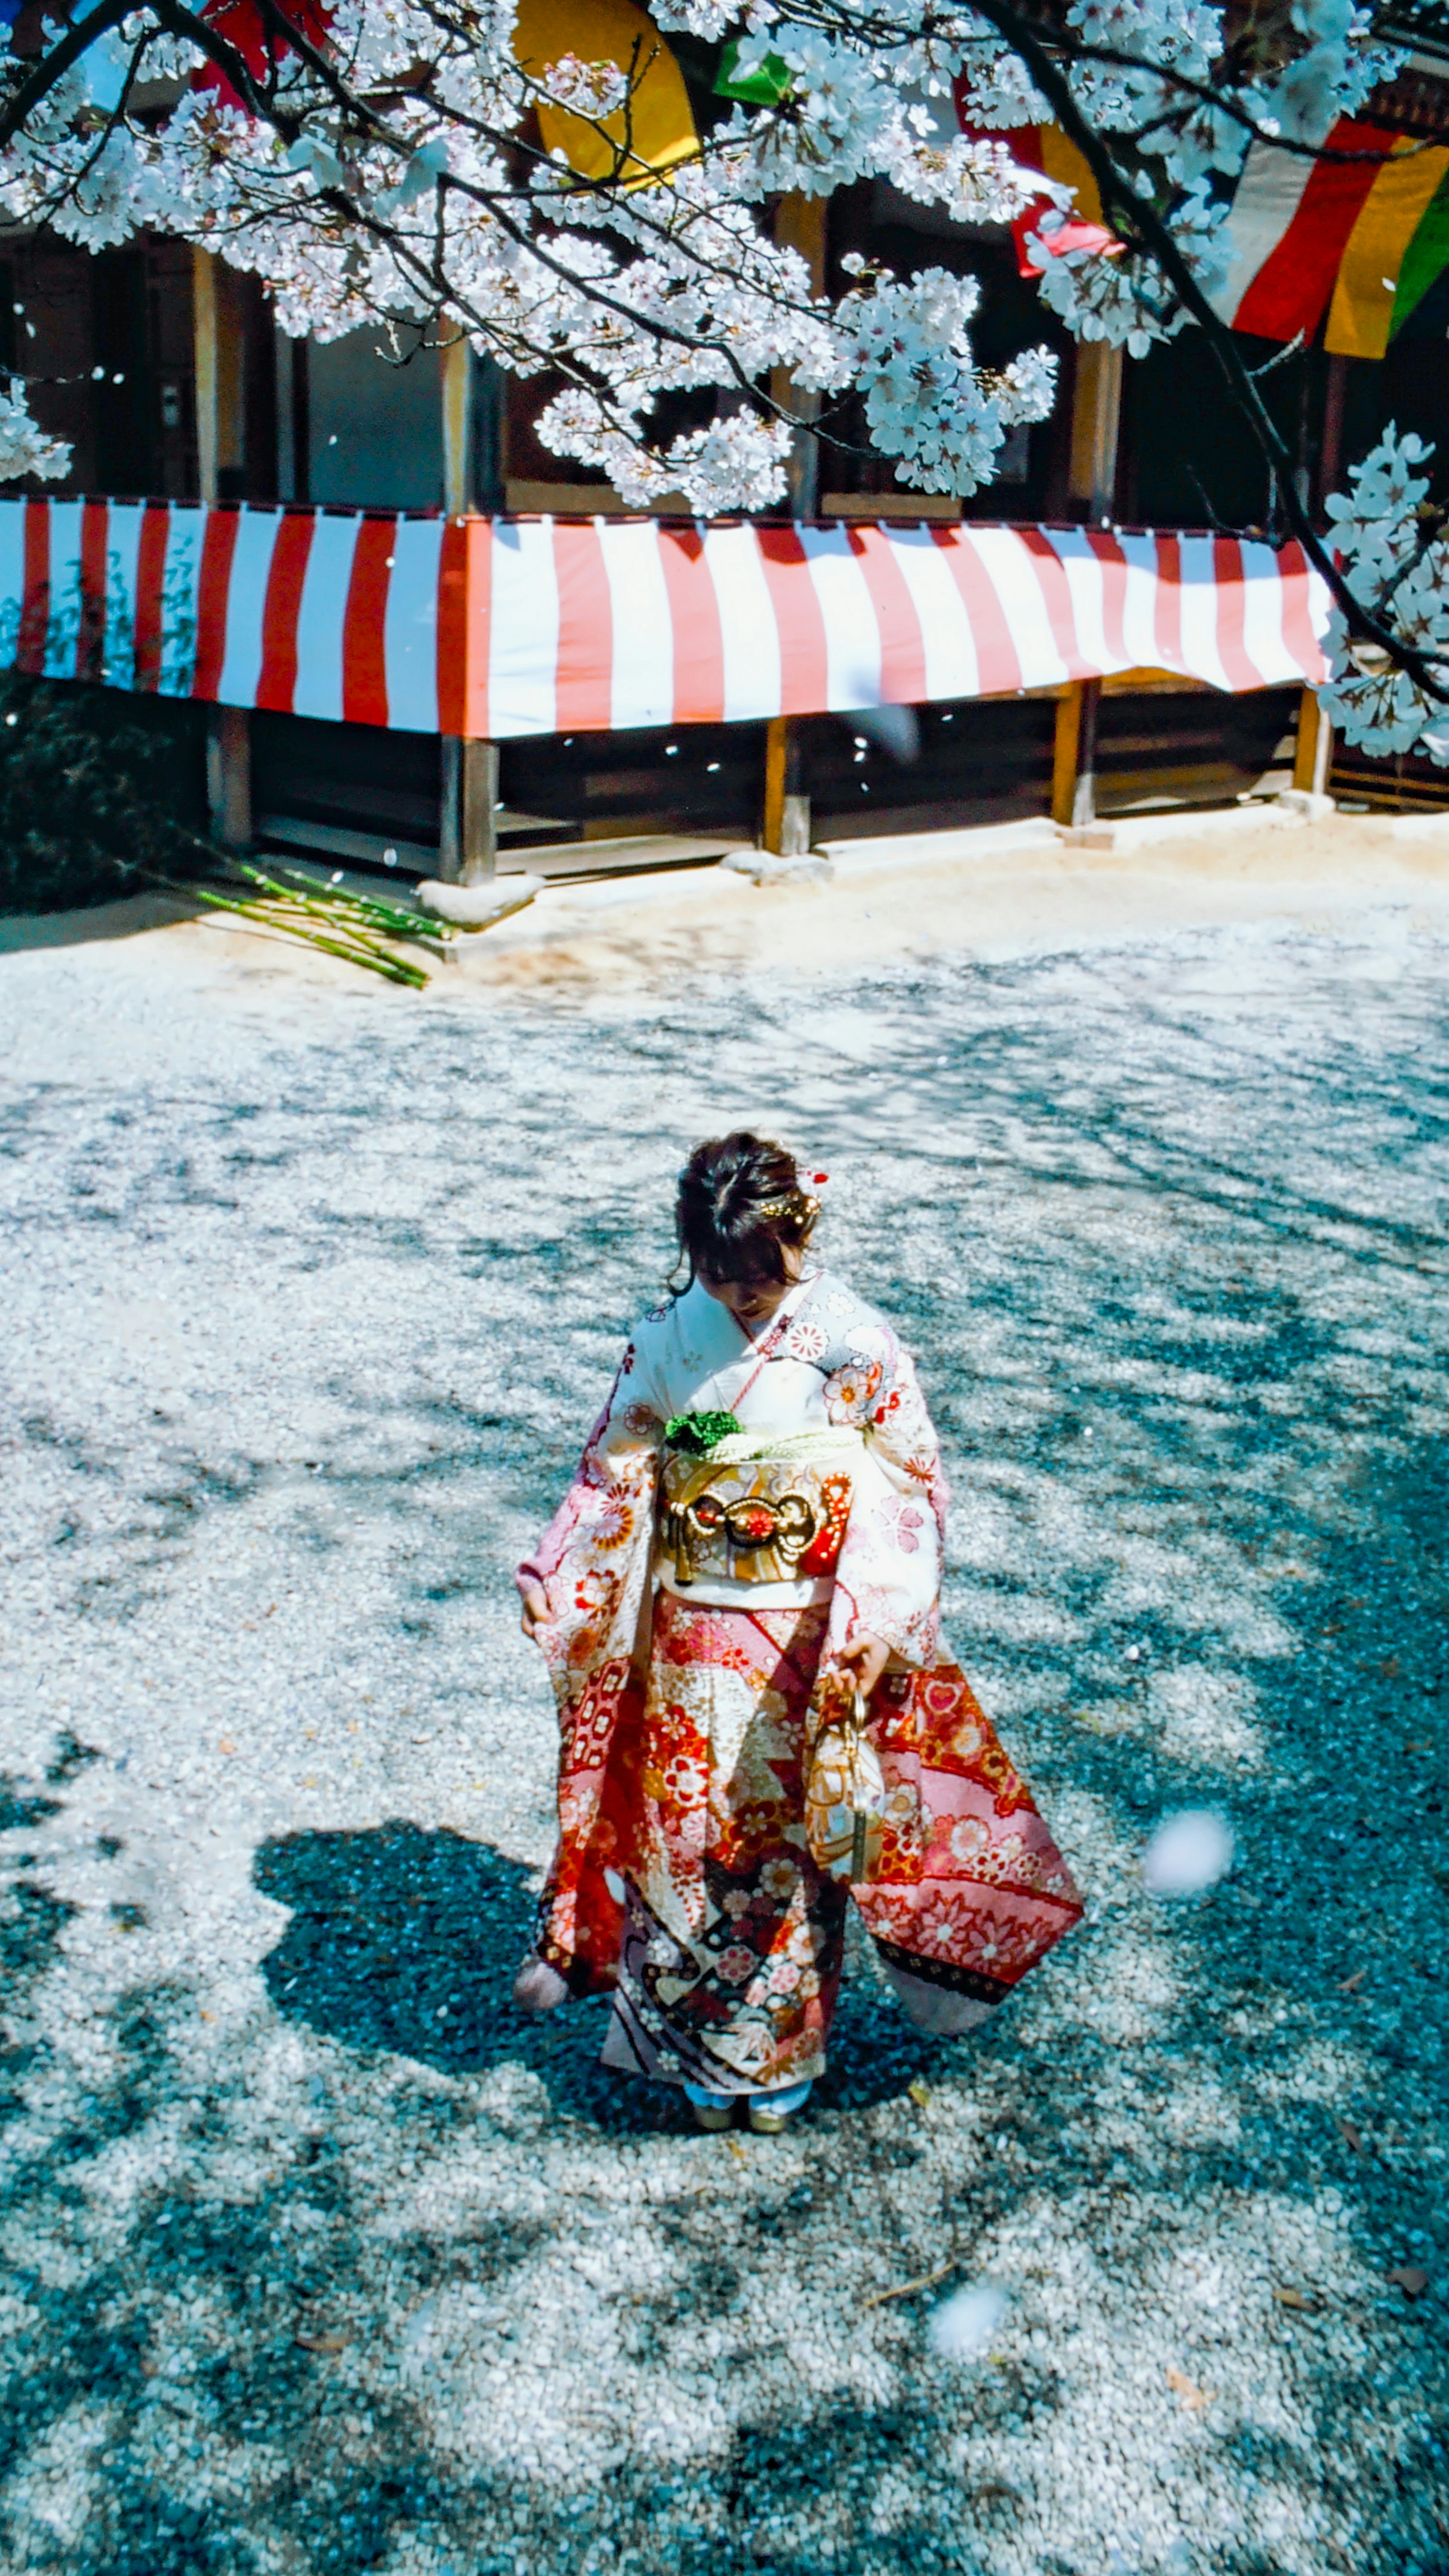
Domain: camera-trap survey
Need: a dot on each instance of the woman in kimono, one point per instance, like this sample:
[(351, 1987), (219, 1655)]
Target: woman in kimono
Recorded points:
[(753, 1535)]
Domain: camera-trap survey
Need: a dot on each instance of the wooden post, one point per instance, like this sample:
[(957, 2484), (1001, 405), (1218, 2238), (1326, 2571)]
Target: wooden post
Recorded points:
[(800, 226), (1074, 755), (786, 825), (468, 838), (1091, 488), (474, 430), (488, 435), (1313, 751), (203, 322), (1096, 429), (472, 479), (220, 346), (229, 775), (221, 455), (457, 359), (294, 462)]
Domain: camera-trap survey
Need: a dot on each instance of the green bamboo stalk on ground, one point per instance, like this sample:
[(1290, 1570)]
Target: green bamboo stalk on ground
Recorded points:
[(346, 925)]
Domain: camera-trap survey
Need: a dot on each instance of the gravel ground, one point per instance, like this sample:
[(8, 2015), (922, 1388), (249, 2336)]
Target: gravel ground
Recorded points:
[(314, 2258)]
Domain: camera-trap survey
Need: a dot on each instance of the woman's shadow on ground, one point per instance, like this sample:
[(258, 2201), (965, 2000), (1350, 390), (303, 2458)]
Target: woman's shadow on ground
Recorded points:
[(408, 1941)]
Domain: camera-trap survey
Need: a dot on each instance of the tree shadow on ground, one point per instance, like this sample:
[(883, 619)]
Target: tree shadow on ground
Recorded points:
[(408, 1940), (1253, 1512), (208, 2369), (126, 918), (213, 2361)]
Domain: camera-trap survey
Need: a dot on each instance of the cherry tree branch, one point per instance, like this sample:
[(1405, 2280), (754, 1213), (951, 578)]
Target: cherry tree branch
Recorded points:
[(35, 86), (1141, 219)]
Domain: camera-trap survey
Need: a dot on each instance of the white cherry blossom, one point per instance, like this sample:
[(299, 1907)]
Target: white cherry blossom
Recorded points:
[(25, 448), (1397, 563), (385, 167)]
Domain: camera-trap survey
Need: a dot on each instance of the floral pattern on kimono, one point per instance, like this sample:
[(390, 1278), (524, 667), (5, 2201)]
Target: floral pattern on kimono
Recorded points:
[(733, 1939), (594, 1564), (972, 1891)]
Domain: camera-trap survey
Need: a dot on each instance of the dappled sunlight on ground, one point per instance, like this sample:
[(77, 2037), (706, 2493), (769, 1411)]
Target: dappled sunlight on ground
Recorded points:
[(315, 2257)]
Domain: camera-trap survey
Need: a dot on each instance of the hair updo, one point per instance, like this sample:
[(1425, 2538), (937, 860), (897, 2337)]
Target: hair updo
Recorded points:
[(740, 1208)]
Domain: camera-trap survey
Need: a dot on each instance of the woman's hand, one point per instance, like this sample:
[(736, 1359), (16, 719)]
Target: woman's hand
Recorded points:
[(867, 1658), (535, 1608)]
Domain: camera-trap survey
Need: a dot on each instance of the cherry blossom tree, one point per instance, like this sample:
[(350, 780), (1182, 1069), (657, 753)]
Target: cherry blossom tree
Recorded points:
[(410, 164)]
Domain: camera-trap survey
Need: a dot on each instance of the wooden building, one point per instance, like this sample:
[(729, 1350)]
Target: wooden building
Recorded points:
[(168, 374)]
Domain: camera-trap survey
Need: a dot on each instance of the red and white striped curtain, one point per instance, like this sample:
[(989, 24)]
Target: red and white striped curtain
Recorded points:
[(500, 627)]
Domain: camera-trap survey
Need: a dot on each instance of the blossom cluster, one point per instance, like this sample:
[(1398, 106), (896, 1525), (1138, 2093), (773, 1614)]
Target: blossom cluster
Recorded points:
[(1390, 545), (926, 401), (386, 167), (24, 446)]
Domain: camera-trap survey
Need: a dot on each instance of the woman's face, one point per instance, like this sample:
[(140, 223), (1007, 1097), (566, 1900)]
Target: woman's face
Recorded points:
[(753, 1301)]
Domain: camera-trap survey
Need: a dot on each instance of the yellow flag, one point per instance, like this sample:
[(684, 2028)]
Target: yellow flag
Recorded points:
[(637, 142)]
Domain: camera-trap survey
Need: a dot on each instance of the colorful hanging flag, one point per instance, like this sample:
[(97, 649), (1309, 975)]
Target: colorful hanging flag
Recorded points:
[(659, 128), (1291, 222), (1046, 148), (765, 86), (1424, 262), (261, 43), (1360, 317)]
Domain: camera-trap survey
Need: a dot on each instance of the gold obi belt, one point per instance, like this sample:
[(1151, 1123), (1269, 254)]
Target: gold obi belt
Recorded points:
[(758, 1510)]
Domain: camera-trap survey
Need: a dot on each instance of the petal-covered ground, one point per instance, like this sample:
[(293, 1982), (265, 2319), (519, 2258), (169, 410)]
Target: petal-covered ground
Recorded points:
[(314, 2257)]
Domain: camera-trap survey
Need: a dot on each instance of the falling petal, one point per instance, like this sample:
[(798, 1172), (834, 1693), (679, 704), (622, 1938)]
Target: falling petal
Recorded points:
[(1188, 1853), (964, 2324)]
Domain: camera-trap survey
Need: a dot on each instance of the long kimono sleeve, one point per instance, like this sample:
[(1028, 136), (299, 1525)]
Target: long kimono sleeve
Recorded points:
[(972, 1890), (888, 1582), (593, 1564), (592, 1561)]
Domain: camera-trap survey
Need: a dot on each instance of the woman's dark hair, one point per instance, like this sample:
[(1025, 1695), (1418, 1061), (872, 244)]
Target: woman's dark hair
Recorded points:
[(740, 1206)]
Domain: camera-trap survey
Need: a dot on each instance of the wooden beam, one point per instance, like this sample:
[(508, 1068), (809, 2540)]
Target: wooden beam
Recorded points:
[(895, 504), (1146, 681)]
